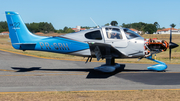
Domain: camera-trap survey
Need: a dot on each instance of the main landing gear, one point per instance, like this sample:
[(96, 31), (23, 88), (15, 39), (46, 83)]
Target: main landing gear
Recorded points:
[(109, 67)]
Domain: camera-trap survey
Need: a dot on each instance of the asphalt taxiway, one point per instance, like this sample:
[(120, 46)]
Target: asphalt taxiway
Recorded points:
[(25, 73)]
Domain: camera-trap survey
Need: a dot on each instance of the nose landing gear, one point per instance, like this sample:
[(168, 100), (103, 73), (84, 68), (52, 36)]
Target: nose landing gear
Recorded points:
[(157, 67)]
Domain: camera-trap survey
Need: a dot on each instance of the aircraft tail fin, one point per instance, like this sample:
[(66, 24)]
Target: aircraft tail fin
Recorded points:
[(18, 31)]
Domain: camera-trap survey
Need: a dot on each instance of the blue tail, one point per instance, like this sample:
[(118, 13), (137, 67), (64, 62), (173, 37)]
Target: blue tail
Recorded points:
[(22, 39), (19, 34)]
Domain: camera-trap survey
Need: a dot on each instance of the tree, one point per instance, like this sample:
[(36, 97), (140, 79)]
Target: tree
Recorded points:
[(33, 27), (126, 25), (59, 31), (150, 28), (114, 23), (87, 27), (67, 30), (139, 26), (172, 25), (107, 24), (40, 27), (157, 25), (3, 26)]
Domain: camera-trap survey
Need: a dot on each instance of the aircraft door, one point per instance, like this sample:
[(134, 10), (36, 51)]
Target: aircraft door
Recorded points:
[(115, 37)]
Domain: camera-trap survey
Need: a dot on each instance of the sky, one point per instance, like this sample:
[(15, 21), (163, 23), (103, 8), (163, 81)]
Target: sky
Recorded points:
[(72, 13)]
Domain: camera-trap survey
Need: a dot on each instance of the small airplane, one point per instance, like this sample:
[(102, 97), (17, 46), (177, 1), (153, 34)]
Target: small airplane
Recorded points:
[(107, 42)]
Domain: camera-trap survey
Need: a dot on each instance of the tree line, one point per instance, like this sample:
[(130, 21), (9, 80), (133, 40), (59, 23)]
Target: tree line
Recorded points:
[(40, 27), (141, 26), (46, 27), (3, 26), (65, 30)]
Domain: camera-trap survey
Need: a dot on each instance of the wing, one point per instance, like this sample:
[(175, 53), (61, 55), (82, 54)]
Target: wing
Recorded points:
[(102, 50)]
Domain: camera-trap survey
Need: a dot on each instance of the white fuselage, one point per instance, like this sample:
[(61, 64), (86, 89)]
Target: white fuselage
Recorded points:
[(127, 42)]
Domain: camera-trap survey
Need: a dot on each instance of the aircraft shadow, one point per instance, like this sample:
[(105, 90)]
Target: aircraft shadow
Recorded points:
[(21, 69), (141, 76), (97, 74), (92, 73)]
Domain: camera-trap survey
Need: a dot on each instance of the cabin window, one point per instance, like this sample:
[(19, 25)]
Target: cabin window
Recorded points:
[(96, 35), (113, 33), (130, 34)]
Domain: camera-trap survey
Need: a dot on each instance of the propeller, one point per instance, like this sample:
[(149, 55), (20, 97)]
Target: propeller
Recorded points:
[(171, 44)]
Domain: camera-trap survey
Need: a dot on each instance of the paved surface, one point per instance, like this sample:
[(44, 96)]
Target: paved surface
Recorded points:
[(25, 73)]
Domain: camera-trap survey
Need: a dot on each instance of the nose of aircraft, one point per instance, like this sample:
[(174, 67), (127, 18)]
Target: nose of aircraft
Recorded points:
[(172, 45)]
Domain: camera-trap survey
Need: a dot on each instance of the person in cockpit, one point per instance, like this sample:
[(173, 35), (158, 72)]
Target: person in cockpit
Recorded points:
[(115, 36)]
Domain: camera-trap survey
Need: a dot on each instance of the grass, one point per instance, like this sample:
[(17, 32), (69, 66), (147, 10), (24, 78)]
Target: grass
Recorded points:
[(163, 56), (137, 95), (132, 95)]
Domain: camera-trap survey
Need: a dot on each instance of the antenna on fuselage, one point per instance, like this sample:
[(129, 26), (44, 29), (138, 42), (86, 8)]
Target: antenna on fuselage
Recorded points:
[(94, 22)]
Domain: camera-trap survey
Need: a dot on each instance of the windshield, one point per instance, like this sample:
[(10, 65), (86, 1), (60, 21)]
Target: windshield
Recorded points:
[(113, 33), (130, 34)]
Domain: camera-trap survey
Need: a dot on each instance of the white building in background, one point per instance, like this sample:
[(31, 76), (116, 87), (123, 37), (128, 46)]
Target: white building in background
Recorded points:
[(139, 32), (4, 33), (78, 28), (167, 31)]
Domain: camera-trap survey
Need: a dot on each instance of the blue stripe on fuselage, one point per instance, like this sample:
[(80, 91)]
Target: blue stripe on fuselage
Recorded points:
[(60, 45)]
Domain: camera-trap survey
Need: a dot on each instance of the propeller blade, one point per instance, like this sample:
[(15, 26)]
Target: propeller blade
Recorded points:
[(170, 39), (171, 44), (169, 53)]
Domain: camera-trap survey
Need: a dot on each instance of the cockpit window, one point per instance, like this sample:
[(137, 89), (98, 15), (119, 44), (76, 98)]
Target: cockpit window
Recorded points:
[(130, 34), (96, 35), (113, 33)]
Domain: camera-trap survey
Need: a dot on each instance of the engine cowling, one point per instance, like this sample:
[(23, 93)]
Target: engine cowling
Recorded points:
[(153, 46)]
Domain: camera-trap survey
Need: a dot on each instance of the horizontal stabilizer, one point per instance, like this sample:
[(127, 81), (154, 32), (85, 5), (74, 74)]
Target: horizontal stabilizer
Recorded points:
[(24, 46), (24, 43)]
